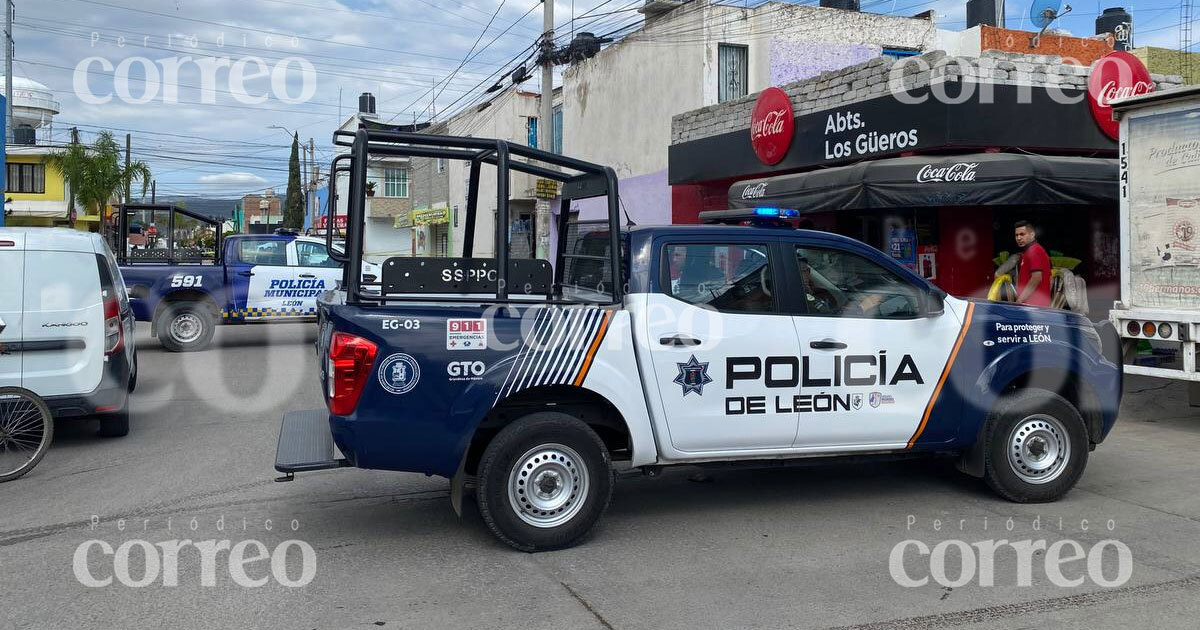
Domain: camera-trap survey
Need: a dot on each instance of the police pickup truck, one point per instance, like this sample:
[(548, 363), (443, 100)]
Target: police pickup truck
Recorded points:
[(257, 278), (717, 344)]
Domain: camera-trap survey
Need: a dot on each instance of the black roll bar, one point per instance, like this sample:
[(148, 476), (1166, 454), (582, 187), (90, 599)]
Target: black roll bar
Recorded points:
[(331, 203), (588, 180)]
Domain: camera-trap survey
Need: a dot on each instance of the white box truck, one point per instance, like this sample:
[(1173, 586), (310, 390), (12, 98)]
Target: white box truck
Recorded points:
[(1160, 235)]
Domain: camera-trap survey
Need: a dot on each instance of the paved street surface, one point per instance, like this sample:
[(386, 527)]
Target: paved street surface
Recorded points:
[(802, 547)]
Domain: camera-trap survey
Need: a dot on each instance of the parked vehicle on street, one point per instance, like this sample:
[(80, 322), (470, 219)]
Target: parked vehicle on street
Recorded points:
[(68, 324), (1160, 235), (643, 347), (267, 278)]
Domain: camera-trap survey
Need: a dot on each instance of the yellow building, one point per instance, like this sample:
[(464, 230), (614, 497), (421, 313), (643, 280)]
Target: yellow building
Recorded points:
[(35, 194)]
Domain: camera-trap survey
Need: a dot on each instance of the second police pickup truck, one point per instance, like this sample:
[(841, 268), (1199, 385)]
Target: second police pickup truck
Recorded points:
[(256, 278), (717, 344)]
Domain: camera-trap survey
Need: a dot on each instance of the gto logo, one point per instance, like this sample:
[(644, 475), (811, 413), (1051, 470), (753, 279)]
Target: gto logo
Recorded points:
[(757, 191), (960, 172), (465, 370)]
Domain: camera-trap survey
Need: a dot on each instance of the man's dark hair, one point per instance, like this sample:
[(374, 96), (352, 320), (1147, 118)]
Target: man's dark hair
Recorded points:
[(1024, 224)]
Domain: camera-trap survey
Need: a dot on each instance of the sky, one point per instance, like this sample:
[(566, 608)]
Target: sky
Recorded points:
[(302, 64)]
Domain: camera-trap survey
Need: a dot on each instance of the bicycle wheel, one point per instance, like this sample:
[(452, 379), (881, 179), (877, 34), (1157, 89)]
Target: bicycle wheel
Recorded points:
[(26, 430)]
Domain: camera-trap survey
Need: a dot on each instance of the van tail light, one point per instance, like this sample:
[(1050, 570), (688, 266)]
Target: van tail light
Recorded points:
[(114, 333), (351, 359)]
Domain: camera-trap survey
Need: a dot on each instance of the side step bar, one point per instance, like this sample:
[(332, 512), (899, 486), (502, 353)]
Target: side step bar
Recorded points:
[(305, 444)]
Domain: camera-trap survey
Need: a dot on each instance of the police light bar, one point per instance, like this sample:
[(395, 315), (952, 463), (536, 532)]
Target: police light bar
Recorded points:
[(776, 212)]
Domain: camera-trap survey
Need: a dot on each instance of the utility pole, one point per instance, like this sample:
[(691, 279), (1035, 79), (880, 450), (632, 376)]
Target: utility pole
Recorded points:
[(304, 177), (312, 181), (8, 57), (545, 128), (153, 191)]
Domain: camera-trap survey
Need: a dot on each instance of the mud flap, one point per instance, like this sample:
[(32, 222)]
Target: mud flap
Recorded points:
[(457, 483)]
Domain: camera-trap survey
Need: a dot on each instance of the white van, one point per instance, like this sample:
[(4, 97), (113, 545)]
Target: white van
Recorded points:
[(68, 334)]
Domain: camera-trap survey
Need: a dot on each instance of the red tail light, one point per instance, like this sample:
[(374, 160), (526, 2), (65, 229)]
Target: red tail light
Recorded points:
[(350, 362), (114, 333)]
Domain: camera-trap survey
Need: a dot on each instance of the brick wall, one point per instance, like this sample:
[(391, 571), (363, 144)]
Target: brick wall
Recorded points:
[(1083, 51)]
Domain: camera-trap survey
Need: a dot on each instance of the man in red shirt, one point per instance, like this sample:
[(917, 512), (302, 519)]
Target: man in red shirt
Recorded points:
[(1033, 279)]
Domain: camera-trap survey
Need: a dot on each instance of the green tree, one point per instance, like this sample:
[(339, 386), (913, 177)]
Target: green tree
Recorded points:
[(97, 174), (293, 205)]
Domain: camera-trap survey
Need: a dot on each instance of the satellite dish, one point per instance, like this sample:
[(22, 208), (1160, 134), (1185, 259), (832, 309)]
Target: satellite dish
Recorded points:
[(1043, 13)]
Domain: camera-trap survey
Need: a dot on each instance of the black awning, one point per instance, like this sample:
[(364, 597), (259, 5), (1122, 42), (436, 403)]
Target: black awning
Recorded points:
[(978, 179)]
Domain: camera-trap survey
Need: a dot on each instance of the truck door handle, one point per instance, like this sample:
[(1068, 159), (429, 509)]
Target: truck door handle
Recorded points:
[(679, 340), (246, 273), (827, 344), (308, 275)]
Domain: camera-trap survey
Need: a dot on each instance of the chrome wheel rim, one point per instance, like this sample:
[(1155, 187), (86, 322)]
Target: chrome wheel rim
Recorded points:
[(547, 485), (24, 433), (1039, 449), (186, 327)]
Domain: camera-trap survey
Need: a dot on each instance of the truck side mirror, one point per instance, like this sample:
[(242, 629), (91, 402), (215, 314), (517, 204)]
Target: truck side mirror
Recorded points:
[(933, 304)]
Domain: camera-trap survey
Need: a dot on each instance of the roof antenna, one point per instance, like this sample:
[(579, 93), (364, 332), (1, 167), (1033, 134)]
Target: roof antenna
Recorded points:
[(628, 222)]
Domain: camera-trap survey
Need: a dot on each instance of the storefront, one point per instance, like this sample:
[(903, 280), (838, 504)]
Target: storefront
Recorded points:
[(936, 174)]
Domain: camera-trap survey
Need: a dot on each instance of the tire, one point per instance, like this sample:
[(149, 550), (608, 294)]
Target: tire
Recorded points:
[(115, 425), (560, 452), (31, 413), (185, 326), (1036, 448)]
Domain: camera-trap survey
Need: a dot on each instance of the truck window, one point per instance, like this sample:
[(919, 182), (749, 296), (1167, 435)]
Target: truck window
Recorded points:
[(726, 277), (587, 272), (841, 284), (253, 251), (314, 255)]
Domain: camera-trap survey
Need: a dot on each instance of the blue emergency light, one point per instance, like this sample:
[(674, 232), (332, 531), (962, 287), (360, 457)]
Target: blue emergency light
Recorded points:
[(776, 212)]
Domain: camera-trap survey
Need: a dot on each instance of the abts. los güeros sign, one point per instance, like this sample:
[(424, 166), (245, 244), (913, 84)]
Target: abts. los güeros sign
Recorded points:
[(1116, 75), (772, 126)]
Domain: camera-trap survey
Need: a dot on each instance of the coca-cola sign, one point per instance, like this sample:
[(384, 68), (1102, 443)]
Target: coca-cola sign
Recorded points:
[(772, 125), (755, 191), (959, 172), (1115, 76)]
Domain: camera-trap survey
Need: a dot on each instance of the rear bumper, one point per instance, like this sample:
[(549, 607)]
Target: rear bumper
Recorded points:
[(110, 396)]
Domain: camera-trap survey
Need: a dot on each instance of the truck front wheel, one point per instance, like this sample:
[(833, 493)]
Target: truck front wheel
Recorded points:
[(544, 481), (185, 326), (1037, 447)]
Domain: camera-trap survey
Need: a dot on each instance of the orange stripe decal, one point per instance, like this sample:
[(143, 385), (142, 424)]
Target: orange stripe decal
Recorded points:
[(962, 334), (587, 361)]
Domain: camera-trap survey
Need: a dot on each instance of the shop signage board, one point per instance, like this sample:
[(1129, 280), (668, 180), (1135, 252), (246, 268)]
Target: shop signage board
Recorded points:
[(430, 216), (1117, 75), (772, 125), (887, 126)]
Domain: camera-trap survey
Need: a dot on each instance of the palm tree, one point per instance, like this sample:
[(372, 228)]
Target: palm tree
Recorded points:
[(97, 173)]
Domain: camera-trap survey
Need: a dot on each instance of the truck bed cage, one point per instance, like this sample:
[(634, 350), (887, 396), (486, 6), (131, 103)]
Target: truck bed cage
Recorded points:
[(581, 180), (171, 255)]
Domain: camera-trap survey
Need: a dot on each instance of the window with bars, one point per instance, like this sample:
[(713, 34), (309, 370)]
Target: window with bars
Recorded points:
[(395, 182), (25, 178), (733, 72)]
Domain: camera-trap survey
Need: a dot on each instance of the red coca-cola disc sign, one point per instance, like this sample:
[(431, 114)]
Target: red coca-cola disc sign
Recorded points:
[(772, 125), (1116, 75)]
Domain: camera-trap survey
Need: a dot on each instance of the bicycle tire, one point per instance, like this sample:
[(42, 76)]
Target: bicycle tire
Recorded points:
[(23, 424)]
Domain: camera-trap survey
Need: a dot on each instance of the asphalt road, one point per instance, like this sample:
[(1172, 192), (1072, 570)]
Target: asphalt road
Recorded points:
[(804, 547)]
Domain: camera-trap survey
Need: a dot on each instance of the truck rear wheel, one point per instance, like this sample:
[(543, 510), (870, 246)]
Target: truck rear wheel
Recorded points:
[(185, 326), (1037, 447), (544, 481)]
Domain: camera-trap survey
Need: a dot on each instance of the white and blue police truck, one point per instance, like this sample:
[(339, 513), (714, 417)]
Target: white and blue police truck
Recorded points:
[(256, 278), (531, 383)]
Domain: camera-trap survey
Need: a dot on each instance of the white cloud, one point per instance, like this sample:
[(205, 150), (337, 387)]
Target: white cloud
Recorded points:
[(232, 180)]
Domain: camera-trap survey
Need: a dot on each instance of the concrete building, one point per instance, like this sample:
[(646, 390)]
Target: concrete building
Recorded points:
[(36, 194), (261, 213), (618, 105), (388, 231)]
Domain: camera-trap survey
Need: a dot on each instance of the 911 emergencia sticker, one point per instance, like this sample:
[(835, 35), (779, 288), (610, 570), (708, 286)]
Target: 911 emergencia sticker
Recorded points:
[(466, 334)]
